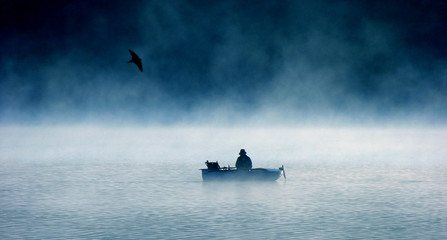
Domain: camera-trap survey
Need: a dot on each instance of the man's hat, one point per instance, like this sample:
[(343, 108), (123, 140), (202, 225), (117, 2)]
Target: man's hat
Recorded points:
[(242, 151)]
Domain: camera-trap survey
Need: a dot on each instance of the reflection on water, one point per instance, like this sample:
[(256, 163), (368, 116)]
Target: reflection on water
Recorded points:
[(59, 193)]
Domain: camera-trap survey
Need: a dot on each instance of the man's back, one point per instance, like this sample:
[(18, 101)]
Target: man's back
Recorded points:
[(243, 163)]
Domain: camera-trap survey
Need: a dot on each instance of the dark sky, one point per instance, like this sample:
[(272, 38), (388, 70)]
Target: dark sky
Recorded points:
[(269, 62)]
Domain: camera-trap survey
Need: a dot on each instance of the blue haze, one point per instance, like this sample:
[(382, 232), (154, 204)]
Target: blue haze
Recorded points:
[(223, 62)]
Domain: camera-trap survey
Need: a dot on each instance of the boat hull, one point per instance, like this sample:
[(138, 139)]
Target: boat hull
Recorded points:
[(257, 174)]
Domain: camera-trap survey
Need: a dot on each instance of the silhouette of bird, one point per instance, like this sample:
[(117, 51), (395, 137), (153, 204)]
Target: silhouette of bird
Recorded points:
[(135, 59)]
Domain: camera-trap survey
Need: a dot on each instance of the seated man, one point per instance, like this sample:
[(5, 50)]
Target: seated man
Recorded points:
[(243, 162)]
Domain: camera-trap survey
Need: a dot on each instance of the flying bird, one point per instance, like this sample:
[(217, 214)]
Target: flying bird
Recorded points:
[(135, 59)]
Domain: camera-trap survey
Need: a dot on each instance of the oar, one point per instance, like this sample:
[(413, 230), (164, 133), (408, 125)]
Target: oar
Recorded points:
[(284, 172)]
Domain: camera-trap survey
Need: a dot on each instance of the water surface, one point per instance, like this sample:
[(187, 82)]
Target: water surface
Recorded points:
[(105, 183)]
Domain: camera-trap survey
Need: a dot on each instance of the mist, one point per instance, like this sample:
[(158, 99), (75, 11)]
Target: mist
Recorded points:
[(165, 147), (224, 63)]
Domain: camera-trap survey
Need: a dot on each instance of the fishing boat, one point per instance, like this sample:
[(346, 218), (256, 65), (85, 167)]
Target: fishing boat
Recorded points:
[(214, 172)]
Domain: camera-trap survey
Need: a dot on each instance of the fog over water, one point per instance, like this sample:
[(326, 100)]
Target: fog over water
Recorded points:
[(224, 62), (145, 183), (267, 146)]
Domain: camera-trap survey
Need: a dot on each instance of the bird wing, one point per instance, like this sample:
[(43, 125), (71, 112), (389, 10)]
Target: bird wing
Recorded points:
[(134, 55), (140, 65), (137, 60)]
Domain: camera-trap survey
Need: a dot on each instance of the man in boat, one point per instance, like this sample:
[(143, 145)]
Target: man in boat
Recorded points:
[(243, 162)]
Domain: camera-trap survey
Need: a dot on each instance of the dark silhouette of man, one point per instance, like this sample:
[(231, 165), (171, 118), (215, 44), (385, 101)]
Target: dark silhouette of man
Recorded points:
[(243, 162)]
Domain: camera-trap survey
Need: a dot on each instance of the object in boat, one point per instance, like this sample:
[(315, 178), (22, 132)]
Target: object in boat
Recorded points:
[(214, 172)]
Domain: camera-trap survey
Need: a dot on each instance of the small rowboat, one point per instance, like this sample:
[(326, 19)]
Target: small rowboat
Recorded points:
[(214, 172)]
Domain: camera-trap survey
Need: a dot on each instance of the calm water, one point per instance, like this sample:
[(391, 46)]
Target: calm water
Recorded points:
[(103, 183)]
